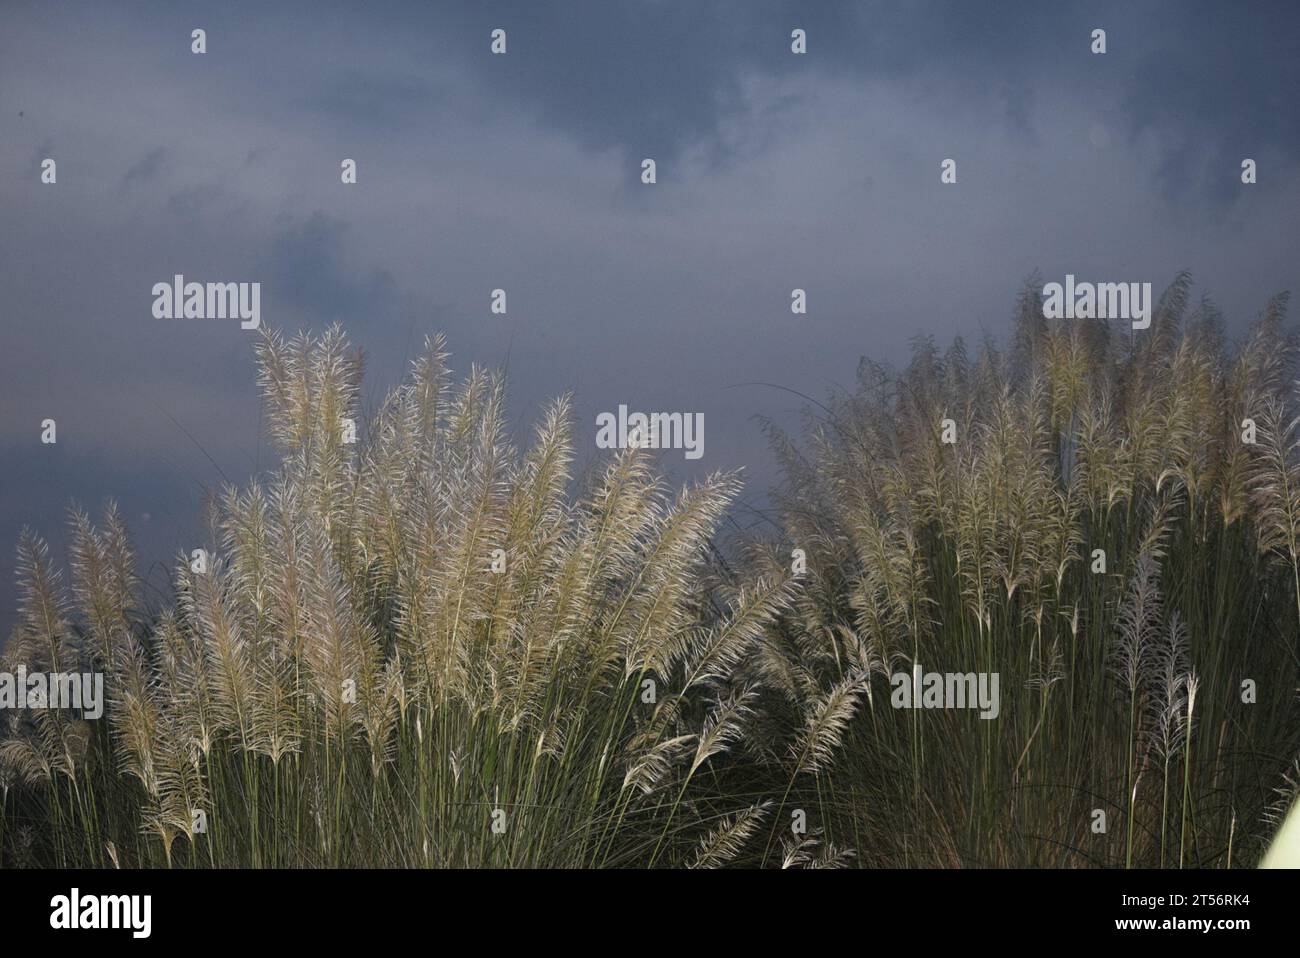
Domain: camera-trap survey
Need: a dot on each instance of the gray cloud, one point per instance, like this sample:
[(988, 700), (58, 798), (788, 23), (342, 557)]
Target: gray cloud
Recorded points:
[(309, 269), (147, 169)]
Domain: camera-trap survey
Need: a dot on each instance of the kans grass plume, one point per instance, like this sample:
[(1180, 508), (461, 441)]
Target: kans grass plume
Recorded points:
[(429, 648)]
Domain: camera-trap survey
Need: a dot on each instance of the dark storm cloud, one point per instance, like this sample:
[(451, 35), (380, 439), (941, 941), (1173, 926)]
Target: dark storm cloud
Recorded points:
[(309, 269), (1219, 82), (651, 78), (372, 99), (194, 204), (147, 168)]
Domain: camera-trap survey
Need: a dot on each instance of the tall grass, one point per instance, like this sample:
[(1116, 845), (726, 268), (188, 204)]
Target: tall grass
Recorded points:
[(1122, 689), (428, 648), (360, 677)]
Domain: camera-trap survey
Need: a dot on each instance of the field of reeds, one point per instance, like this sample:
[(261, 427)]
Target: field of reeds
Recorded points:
[(433, 649)]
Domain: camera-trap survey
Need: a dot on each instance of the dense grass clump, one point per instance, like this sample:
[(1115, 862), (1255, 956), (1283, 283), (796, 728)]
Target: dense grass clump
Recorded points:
[(1121, 670), (427, 648), (414, 650)]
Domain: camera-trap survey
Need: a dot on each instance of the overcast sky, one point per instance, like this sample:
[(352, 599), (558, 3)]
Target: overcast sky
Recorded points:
[(522, 172)]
